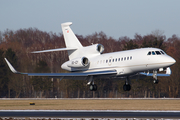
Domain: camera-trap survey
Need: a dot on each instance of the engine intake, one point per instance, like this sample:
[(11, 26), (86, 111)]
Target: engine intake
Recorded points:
[(100, 48), (78, 62)]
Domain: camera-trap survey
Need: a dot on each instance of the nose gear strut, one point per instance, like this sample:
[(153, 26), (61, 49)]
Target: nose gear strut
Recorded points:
[(155, 81), (127, 86)]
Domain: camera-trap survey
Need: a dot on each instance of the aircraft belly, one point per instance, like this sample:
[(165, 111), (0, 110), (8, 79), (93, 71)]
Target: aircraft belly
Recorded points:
[(136, 68), (124, 71), (156, 66)]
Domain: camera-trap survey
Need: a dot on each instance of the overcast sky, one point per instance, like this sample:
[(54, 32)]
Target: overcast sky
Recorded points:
[(116, 18)]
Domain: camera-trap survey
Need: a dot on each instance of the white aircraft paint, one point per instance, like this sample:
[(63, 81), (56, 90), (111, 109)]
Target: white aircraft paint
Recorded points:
[(88, 62)]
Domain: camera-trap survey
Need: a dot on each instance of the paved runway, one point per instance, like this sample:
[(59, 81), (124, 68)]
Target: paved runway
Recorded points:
[(90, 114)]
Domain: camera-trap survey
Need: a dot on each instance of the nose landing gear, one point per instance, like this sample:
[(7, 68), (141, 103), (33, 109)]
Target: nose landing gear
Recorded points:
[(127, 86), (92, 86), (155, 81)]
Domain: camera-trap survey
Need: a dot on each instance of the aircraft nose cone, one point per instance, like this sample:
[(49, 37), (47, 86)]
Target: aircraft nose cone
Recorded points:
[(169, 61), (173, 61)]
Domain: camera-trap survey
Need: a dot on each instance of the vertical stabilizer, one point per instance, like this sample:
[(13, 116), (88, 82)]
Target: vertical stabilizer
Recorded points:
[(69, 37), (71, 40)]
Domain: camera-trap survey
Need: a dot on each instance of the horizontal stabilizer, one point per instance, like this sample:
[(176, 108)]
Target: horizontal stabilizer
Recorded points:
[(52, 50)]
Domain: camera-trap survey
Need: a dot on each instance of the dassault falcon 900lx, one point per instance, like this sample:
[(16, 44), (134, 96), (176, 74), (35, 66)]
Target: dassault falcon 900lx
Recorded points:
[(88, 63)]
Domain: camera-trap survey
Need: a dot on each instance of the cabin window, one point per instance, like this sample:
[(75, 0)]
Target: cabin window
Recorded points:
[(127, 58), (116, 59), (106, 61), (109, 60), (158, 53), (131, 58), (153, 53), (119, 59), (124, 58), (113, 60), (149, 53)]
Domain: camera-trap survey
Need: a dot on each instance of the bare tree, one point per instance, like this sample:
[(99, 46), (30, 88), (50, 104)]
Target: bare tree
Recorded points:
[(157, 33)]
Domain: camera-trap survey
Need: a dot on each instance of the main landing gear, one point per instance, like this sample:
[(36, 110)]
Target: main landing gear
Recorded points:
[(127, 86), (92, 86)]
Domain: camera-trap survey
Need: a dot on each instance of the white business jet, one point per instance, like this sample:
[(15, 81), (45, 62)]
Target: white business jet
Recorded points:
[(88, 63)]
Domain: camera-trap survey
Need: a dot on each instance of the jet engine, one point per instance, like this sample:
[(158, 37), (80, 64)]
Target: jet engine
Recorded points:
[(100, 48), (94, 49), (78, 62)]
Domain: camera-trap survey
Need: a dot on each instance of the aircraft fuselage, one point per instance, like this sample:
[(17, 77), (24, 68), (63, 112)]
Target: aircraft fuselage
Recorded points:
[(127, 62)]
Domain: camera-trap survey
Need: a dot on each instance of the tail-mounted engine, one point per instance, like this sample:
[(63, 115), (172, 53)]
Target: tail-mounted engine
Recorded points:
[(83, 62), (94, 49), (78, 62), (100, 48)]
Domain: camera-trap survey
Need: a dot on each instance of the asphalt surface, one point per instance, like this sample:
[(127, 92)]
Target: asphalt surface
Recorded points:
[(90, 114)]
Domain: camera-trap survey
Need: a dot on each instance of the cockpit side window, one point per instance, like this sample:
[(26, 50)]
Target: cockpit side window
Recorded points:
[(158, 53), (153, 53), (149, 53), (162, 52)]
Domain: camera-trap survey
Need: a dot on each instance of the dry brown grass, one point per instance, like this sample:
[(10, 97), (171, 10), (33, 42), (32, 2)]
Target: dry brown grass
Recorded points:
[(91, 104)]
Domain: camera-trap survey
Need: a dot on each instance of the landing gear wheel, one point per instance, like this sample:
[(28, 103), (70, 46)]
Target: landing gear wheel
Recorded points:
[(93, 87), (126, 87), (155, 81)]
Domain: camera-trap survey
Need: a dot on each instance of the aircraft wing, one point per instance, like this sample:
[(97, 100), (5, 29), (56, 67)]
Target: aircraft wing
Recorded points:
[(151, 74), (168, 73), (72, 74)]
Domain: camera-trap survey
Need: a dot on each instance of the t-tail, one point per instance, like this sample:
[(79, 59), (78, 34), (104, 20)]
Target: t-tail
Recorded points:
[(73, 46), (71, 42)]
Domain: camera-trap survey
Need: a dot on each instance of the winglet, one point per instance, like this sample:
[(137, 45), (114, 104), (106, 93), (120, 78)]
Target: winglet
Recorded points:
[(11, 67)]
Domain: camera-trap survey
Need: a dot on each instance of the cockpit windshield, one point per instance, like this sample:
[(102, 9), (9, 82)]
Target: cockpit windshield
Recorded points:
[(156, 53), (153, 53)]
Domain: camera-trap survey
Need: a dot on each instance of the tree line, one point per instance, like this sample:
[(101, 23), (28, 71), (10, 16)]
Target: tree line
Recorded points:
[(17, 46)]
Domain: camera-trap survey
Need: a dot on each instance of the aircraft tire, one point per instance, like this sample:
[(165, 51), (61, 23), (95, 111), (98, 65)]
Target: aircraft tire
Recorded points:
[(126, 87), (155, 81), (95, 87), (91, 87)]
